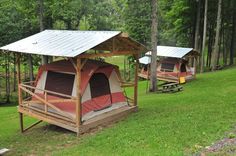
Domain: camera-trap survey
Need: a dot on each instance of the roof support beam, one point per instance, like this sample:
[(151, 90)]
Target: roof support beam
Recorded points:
[(73, 63), (115, 53)]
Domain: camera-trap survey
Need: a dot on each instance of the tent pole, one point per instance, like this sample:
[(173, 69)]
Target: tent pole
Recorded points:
[(78, 91), (136, 80), (19, 92)]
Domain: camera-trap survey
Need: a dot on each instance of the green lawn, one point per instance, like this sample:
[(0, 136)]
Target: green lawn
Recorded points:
[(166, 124), (117, 60)]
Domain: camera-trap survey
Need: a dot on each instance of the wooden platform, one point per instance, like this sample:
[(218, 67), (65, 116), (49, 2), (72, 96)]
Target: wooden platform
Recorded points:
[(167, 78), (107, 118), (100, 120)]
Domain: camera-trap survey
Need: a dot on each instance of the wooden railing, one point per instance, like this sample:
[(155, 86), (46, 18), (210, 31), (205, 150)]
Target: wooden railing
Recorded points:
[(33, 98), (124, 84)]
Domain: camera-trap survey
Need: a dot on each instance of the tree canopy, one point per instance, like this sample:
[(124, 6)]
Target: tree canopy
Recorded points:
[(180, 23)]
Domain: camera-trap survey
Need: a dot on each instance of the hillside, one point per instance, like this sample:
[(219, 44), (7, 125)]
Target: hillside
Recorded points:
[(166, 124)]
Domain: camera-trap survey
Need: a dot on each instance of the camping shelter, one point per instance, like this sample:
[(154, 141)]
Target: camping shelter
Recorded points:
[(79, 92), (174, 64)]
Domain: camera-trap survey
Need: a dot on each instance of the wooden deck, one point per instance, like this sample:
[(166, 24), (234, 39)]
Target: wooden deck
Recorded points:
[(100, 120), (167, 78), (27, 94), (107, 118)]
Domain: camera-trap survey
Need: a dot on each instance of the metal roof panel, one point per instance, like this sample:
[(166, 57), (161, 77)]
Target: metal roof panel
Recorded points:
[(65, 43), (168, 51), (145, 60)]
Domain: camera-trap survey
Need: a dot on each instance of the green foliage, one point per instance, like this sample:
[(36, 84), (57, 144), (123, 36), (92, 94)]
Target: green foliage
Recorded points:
[(18, 19), (178, 20), (137, 15), (104, 15), (66, 14)]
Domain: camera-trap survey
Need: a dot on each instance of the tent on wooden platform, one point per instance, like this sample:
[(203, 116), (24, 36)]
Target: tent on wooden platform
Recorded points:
[(79, 92), (175, 64), (100, 87)]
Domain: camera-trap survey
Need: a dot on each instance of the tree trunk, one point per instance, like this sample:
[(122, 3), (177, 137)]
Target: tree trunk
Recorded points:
[(7, 78), (233, 40), (41, 23), (31, 69), (223, 44), (204, 36), (41, 10), (216, 45), (153, 76), (219, 52), (14, 74), (196, 40)]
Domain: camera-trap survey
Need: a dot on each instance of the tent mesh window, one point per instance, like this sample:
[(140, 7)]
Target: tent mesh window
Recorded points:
[(169, 67), (145, 67), (183, 67), (99, 85), (60, 82)]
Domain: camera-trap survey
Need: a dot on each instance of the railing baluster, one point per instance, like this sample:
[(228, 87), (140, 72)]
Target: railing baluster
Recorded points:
[(46, 99), (47, 103)]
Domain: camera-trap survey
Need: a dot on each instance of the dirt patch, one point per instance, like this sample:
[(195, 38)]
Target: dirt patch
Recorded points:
[(226, 146), (223, 147)]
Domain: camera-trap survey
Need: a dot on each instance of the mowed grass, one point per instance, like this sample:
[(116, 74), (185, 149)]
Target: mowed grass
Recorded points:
[(166, 124), (116, 60)]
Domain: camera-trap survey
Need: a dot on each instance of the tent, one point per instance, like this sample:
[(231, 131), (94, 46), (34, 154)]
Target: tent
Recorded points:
[(174, 64), (78, 93), (100, 87)]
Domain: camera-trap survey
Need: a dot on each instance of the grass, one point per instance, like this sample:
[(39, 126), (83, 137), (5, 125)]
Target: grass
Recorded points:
[(117, 60), (166, 124)]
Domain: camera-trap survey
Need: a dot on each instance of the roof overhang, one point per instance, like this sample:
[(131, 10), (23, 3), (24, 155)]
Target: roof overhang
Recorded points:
[(174, 52), (169, 52), (67, 43)]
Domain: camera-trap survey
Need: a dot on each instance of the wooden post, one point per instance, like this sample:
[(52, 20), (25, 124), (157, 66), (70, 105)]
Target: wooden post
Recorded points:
[(136, 80), (19, 92), (78, 91), (21, 123)]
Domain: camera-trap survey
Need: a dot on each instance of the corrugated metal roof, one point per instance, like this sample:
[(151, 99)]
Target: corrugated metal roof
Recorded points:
[(60, 42), (145, 60), (167, 51)]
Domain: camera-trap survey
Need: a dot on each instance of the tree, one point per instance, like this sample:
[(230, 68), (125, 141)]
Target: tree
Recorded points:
[(196, 40), (14, 73), (204, 37), (104, 15), (216, 45), (41, 24), (7, 77), (233, 40), (153, 76), (137, 16), (31, 69)]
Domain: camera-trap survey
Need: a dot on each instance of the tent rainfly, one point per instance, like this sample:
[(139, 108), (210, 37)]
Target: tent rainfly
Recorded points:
[(173, 64), (77, 93)]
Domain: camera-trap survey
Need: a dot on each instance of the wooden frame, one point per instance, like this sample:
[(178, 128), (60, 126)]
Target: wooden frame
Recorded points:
[(63, 119)]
